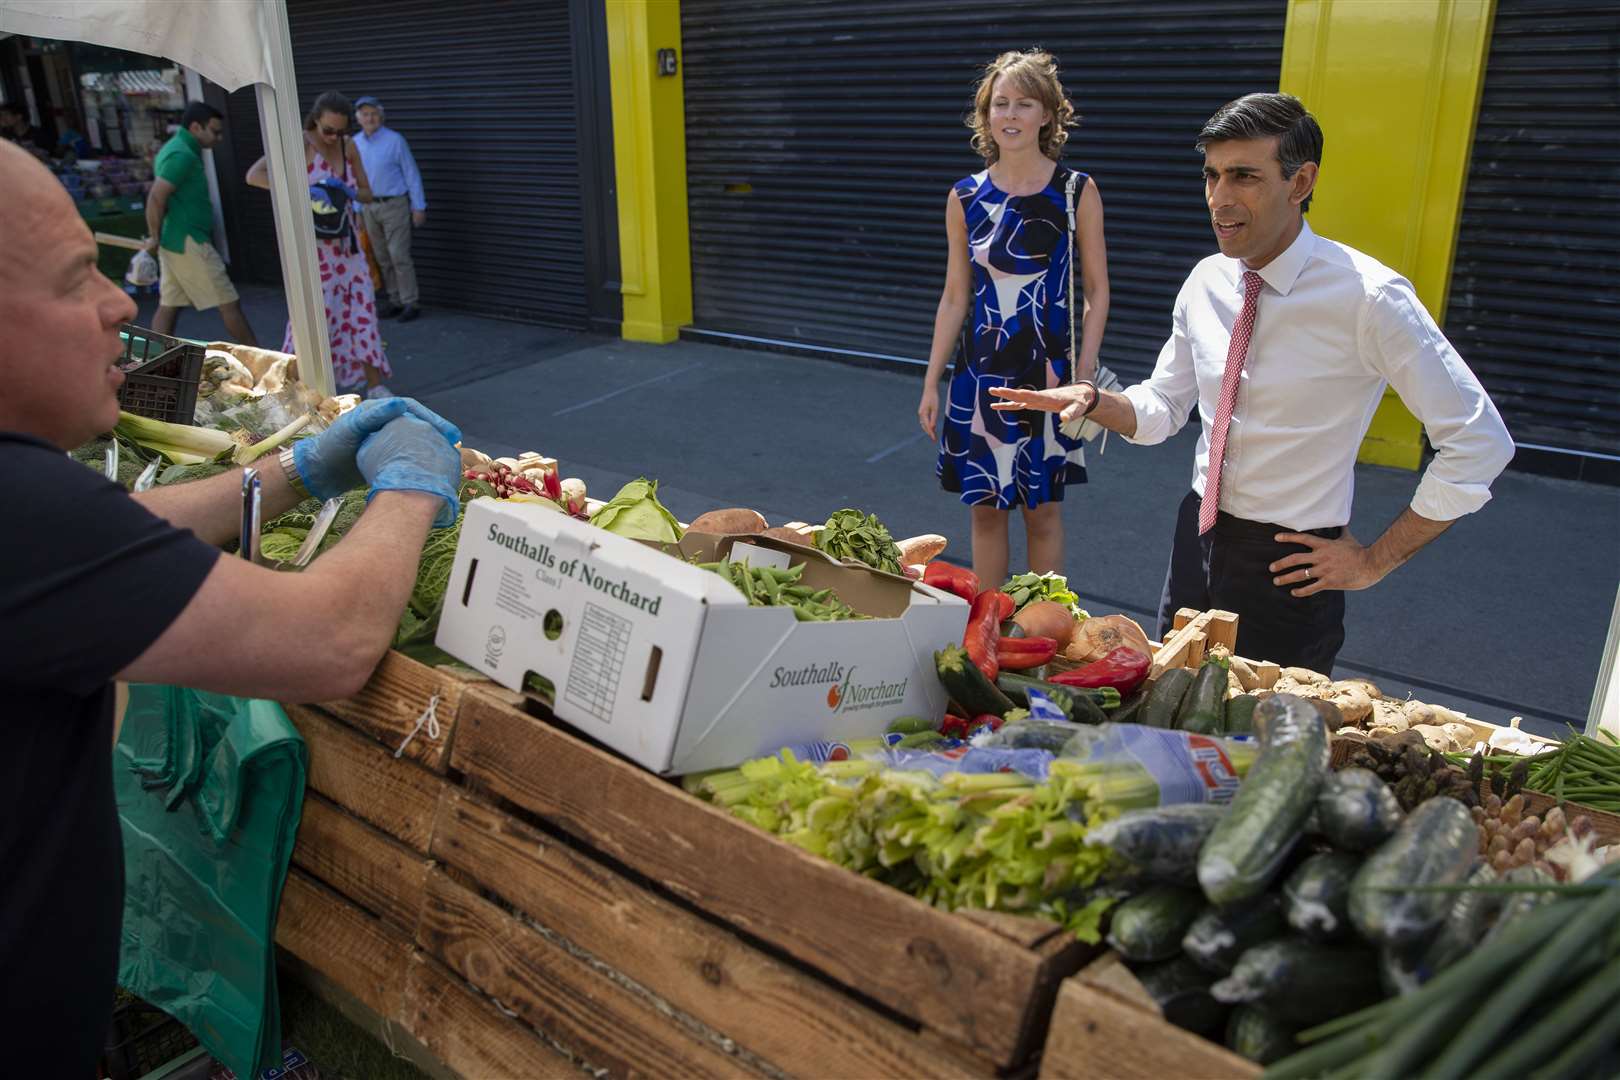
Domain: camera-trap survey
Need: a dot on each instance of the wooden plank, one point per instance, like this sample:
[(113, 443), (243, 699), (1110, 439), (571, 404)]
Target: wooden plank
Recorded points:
[(399, 797), (1097, 1036), (776, 1011), (356, 951), (389, 706), (469, 1034), (1109, 973), (919, 961), (1029, 933), (364, 864), (561, 995)]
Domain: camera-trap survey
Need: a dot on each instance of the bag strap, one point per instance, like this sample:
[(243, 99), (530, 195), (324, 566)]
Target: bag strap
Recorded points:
[(1068, 206)]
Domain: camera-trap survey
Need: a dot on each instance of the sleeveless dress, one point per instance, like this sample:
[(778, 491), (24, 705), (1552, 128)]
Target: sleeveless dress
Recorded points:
[(1018, 335), (351, 303)]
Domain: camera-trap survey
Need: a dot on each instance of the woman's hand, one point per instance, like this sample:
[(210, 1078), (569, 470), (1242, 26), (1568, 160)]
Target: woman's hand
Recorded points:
[(928, 412)]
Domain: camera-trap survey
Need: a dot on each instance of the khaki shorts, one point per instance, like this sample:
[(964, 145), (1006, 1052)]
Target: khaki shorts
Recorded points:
[(196, 279)]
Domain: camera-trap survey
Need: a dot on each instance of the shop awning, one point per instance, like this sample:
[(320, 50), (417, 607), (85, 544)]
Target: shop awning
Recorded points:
[(144, 83), (235, 45)]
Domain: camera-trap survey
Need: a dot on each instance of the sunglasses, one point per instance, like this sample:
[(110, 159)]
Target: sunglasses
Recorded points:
[(329, 132)]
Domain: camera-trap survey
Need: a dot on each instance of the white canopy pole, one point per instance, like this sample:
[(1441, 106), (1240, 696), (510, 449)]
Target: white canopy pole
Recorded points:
[(283, 126)]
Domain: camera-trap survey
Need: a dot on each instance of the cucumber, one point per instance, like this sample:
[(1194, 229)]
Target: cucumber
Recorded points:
[(1130, 711), (1162, 841), (1400, 971), (1436, 845), (1316, 897), (921, 740), (1517, 905), (1029, 734), (1256, 1034), (1180, 988), (1268, 814), (1078, 704), (966, 684), (1240, 715), (1356, 810), (1203, 710), (1303, 982), (1164, 699), (911, 725), (1150, 926), (1217, 938), (1466, 921)]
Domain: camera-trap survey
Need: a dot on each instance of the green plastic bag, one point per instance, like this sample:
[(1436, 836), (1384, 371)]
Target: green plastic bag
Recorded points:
[(210, 789)]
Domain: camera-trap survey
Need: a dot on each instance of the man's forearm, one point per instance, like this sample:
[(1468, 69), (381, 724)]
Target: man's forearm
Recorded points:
[(1405, 537), (212, 508), (1116, 413), (375, 565), (154, 217)]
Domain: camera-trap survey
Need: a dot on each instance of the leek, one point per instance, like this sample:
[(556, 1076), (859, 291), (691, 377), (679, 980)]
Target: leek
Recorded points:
[(184, 444)]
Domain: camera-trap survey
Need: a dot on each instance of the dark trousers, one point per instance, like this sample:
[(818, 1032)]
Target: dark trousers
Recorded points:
[(1228, 568)]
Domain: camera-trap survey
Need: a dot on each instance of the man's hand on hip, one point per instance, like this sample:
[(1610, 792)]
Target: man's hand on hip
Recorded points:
[(1329, 564)]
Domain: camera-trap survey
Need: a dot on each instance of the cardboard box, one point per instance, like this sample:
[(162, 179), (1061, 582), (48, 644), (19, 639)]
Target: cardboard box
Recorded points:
[(669, 664)]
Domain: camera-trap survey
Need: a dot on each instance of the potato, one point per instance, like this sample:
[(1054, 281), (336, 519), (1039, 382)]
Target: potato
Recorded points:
[(730, 522), (920, 550), (1245, 675), (1305, 675), (1351, 699), (1368, 688)]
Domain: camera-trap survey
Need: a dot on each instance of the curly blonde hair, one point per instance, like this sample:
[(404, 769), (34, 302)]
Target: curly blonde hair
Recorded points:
[(1034, 73)]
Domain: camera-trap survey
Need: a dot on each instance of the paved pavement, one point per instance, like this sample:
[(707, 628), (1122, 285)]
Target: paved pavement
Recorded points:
[(1505, 615)]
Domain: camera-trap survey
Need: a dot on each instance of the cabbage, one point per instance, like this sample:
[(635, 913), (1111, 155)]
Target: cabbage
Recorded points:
[(636, 512)]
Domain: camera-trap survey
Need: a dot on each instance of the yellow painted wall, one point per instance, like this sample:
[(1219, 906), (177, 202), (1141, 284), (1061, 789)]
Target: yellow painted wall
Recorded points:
[(649, 151), (1395, 85)]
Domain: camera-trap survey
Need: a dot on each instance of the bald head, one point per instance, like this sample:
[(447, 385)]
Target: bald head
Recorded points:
[(58, 374)]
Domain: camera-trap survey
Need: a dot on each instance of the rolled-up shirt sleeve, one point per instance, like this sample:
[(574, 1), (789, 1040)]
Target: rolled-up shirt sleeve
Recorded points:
[(1471, 444), (1169, 394)]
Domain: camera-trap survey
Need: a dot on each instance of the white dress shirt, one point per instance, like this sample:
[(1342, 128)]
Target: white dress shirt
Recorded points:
[(1332, 327)]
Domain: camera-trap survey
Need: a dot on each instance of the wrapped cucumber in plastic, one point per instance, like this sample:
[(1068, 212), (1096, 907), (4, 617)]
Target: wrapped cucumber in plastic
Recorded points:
[(1033, 734), (1180, 988), (1356, 810), (1303, 982), (1254, 1033), (1162, 842), (1516, 905), (1437, 844), (1316, 896), (1470, 916), (1150, 926), (1217, 938)]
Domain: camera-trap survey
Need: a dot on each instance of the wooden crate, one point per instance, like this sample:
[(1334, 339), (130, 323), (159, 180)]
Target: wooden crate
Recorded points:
[(527, 897), (391, 707), (1194, 633), (1105, 1027)]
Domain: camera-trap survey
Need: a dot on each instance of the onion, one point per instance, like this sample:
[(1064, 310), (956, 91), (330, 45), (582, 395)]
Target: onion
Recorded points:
[(1100, 635), (1047, 618)]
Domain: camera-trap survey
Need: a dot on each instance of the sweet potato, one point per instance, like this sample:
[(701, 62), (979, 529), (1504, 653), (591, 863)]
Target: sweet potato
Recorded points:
[(730, 522), (792, 536), (1048, 618), (1100, 635), (920, 550)]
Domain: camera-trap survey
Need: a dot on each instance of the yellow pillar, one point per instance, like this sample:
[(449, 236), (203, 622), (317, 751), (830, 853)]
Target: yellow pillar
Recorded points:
[(649, 151), (1395, 85)]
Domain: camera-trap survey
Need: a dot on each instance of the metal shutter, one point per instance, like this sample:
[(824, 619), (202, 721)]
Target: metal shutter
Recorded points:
[(487, 96), (1535, 288), (822, 138)]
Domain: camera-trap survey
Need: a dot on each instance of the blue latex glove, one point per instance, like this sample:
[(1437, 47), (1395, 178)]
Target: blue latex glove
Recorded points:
[(410, 454), (326, 463)]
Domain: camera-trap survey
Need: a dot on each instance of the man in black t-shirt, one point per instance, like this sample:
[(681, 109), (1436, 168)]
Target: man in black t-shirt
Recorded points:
[(100, 585)]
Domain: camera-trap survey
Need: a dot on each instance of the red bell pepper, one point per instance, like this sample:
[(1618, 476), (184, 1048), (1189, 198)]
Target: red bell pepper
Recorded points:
[(953, 579), (984, 629), (1023, 653), (1123, 668), (955, 727)]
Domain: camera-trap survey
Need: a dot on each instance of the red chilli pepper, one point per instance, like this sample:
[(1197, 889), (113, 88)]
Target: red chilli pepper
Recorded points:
[(1021, 654), (1123, 668), (983, 631), (956, 727), (953, 579)]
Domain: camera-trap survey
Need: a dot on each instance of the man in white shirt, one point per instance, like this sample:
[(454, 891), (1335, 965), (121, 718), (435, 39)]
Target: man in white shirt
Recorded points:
[(1285, 341)]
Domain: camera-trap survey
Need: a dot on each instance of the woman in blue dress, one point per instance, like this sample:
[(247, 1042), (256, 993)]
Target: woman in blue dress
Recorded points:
[(1008, 277)]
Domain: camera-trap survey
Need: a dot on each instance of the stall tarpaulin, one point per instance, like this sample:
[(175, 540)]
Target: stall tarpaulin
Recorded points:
[(235, 43)]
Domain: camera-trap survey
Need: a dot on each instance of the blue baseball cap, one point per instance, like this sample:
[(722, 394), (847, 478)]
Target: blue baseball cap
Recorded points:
[(367, 100)]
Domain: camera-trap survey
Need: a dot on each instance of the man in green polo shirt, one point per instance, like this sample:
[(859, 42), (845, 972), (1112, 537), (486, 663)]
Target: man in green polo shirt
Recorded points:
[(180, 228)]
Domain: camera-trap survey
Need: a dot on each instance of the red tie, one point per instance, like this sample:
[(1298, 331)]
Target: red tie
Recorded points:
[(1236, 354)]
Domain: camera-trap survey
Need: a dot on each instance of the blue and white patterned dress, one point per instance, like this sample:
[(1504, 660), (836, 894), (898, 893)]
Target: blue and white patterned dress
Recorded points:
[(1019, 336)]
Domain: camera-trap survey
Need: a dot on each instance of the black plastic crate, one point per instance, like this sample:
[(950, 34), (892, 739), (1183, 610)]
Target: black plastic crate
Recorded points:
[(161, 374), (142, 1039)]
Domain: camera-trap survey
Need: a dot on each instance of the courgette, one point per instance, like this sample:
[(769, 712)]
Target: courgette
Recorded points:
[(1180, 988), (1130, 710), (1467, 919), (1316, 896), (1356, 810), (1203, 710), (1084, 706), (966, 684), (1150, 926), (1254, 1033), (1162, 841), (911, 725), (1436, 845), (1164, 699), (1247, 847), (1303, 982), (1217, 938), (1240, 715)]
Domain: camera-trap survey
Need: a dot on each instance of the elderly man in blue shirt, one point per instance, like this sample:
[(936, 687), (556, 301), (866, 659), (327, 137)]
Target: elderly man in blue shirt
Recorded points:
[(397, 206)]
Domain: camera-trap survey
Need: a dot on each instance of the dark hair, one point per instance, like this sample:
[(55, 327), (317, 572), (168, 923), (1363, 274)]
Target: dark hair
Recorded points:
[(329, 102), (1259, 116), (12, 108), (199, 112)]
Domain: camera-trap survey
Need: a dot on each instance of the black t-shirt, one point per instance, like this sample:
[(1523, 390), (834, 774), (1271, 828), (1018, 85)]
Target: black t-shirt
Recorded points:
[(88, 581)]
